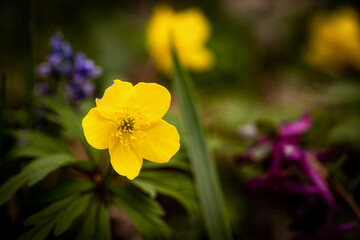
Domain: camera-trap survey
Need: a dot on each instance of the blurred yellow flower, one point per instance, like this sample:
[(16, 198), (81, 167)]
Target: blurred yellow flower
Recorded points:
[(334, 42), (128, 121), (187, 30)]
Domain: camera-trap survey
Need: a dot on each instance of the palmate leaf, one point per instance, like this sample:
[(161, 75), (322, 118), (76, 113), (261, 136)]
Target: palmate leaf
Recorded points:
[(33, 173), (58, 216), (202, 160), (173, 184), (144, 212)]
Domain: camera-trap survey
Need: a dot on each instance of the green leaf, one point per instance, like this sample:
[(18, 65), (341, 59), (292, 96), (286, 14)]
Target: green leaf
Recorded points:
[(88, 228), (60, 215), (174, 184), (147, 187), (49, 212), (72, 211), (27, 151), (144, 212), (66, 117), (65, 189), (202, 160), (41, 141), (38, 233), (33, 173), (103, 229), (176, 161)]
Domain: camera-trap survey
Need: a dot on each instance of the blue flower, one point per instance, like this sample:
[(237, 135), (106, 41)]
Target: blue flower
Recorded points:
[(74, 68)]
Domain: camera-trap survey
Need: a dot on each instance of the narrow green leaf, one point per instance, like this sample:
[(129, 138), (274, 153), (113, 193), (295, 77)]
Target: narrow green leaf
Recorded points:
[(48, 212), (88, 228), (202, 160), (39, 232), (33, 173), (103, 229), (11, 186), (27, 151), (68, 214)]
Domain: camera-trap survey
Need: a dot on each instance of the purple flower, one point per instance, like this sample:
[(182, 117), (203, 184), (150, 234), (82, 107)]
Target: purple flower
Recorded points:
[(58, 61), (293, 174), (75, 69), (296, 128)]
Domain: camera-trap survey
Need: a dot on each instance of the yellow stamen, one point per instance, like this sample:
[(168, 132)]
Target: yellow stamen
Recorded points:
[(129, 124)]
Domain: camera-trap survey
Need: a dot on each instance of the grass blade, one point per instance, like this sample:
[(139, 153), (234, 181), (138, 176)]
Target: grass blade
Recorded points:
[(202, 161)]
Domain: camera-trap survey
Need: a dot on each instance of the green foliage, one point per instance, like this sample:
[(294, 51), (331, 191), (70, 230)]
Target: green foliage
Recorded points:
[(70, 121), (67, 188), (205, 173), (73, 210), (65, 117), (43, 141), (37, 144), (33, 173), (88, 228), (59, 216), (176, 161), (144, 212), (96, 224), (173, 184), (103, 229)]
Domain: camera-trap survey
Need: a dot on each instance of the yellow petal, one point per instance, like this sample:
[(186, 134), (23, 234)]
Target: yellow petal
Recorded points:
[(152, 100), (97, 129), (124, 160), (160, 142), (114, 99)]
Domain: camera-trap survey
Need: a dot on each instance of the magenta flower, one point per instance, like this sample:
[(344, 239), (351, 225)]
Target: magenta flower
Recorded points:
[(293, 174)]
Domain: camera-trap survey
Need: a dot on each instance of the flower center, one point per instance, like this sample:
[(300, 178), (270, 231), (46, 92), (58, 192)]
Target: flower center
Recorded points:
[(129, 124)]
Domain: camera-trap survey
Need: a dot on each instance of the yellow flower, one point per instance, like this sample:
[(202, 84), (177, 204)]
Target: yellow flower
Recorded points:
[(334, 42), (187, 30), (128, 121)]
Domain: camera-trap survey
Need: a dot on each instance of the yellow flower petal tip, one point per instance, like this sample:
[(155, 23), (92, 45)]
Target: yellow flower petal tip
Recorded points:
[(187, 30), (334, 41), (128, 121)]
